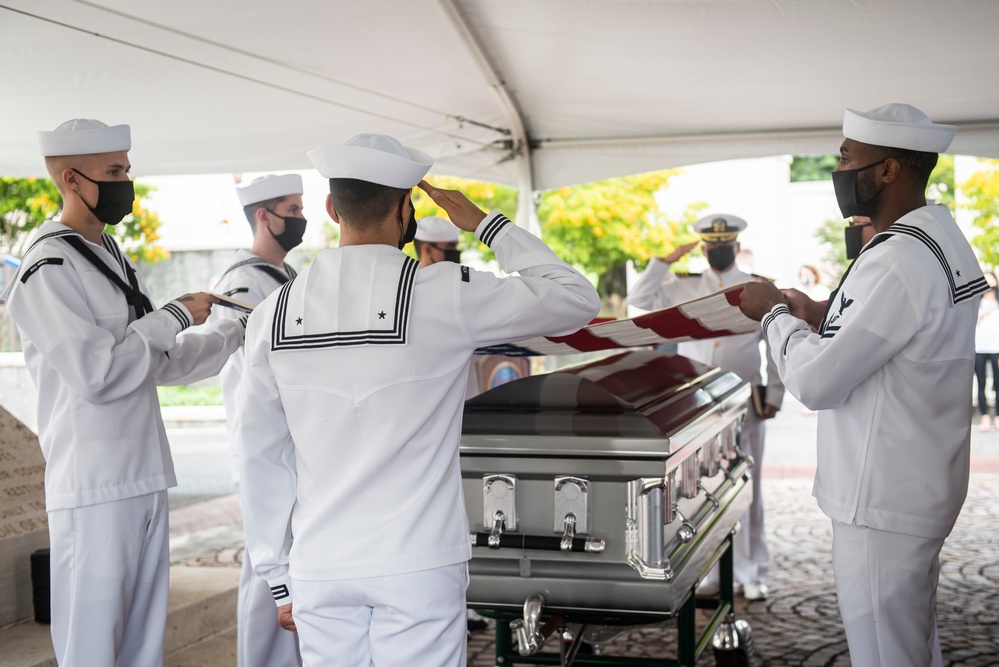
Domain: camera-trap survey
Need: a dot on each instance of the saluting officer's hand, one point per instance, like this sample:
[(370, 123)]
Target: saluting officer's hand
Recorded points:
[(680, 252), (758, 298), (463, 213), (199, 305)]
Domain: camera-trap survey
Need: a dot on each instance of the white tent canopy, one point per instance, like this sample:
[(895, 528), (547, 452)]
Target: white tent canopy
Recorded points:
[(535, 93)]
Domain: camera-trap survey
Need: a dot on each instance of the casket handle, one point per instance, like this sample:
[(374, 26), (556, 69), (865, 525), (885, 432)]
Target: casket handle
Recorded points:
[(687, 530), (499, 521), (707, 494), (589, 545)]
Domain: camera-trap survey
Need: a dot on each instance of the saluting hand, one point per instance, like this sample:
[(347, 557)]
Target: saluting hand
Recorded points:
[(462, 212), (199, 304), (680, 252)]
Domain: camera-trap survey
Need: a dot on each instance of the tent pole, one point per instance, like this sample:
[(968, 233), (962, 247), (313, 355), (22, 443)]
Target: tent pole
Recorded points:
[(527, 215)]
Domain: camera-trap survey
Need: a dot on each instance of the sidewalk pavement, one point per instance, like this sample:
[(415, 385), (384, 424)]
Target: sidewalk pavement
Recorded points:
[(799, 624)]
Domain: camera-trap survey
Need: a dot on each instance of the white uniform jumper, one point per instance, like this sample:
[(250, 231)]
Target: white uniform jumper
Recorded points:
[(890, 371), (657, 288), (260, 641), (350, 417), (96, 366)]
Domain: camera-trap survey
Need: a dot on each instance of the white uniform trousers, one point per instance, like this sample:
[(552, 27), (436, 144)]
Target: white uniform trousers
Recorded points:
[(260, 641), (752, 558), (110, 577), (887, 589), (402, 620)]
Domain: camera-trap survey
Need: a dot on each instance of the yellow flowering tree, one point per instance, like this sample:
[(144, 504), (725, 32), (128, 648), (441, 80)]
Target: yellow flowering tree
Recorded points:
[(601, 227), (982, 194), (25, 203)]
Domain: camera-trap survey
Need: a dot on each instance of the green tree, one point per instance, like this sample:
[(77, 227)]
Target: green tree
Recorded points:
[(26, 203), (834, 261), (982, 193), (812, 167), (941, 184)]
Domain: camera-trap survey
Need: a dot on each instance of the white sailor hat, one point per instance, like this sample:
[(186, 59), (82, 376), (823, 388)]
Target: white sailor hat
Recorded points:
[(270, 186), (898, 126), (84, 136), (375, 158), (436, 230), (719, 228)]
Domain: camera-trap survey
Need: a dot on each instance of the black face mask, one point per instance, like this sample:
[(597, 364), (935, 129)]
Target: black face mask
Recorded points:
[(114, 200), (410, 233), (449, 254), (847, 193), (854, 244), (294, 231), (722, 257)]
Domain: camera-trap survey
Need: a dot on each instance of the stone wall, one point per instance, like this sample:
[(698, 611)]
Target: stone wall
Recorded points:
[(23, 521)]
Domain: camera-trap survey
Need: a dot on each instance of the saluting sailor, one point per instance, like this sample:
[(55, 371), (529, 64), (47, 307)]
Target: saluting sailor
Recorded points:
[(658, 288), (890, 372), (273, 207), (350, 412), (96, 349)]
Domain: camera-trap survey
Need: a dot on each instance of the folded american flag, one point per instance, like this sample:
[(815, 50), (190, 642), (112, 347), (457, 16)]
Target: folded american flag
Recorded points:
[(711, 316)]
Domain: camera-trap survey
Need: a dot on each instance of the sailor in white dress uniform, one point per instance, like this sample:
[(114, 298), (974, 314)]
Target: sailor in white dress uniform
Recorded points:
[(890, 371), (350, 412), (96, 349), (273, 207), (658, 288)]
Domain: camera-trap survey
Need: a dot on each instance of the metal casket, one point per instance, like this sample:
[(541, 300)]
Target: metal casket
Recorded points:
[(608, 487)]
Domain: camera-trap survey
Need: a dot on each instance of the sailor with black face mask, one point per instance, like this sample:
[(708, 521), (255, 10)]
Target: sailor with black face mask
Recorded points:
[(658, 288), (96, 348), (272, 205), (436, 241), (889, 371)]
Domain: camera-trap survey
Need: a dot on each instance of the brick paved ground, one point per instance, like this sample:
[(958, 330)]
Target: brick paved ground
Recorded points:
[(799, 625)]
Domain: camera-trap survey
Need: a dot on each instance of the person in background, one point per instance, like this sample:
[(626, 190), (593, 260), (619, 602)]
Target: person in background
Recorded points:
[(436, 241), (272, 205), (658, 287), (811, 283), (987, 353)]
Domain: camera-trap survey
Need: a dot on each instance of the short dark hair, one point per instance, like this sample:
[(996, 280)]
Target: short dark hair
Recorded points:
[(250, 210), (363, 203), (920, 163)]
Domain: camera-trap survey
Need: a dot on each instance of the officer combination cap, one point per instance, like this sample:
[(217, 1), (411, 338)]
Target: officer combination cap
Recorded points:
[(375, 158), (85, 136), (270, 186), (898, 126), (436, 230), (719, 228)]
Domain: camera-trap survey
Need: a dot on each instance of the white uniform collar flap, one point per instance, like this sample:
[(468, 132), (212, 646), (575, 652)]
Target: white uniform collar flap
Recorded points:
[(358, 295)]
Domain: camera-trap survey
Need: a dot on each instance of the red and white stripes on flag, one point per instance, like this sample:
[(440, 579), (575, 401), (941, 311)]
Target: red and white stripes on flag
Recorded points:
[(712, 316)]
